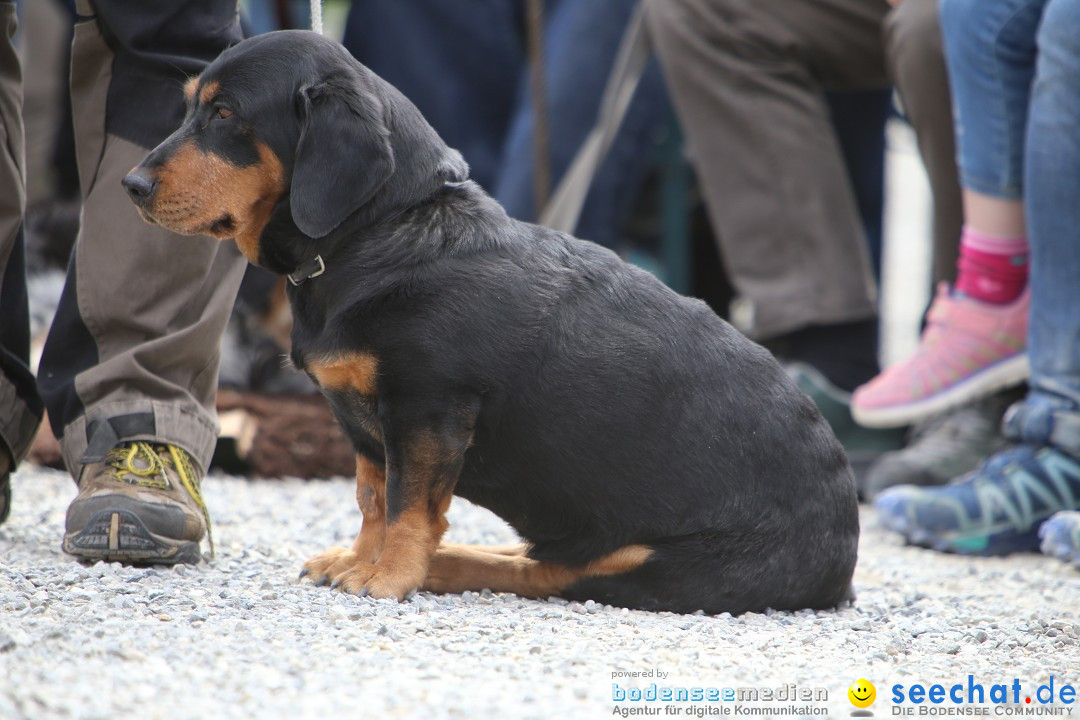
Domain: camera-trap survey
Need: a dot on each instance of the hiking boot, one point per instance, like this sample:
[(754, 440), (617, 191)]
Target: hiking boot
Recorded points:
[(862, 445), (5, 484), (943, 447), (995, 510), (141, 505), (1060, 537), (968, 350)]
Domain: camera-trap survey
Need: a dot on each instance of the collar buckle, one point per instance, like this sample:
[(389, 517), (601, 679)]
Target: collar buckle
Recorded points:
[(310, 269)]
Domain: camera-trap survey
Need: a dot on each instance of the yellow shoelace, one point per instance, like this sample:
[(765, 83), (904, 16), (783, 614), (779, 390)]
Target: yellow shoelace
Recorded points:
[(122, 460)]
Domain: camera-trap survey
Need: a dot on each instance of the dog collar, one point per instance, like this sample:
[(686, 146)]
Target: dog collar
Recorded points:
[(312, 268)]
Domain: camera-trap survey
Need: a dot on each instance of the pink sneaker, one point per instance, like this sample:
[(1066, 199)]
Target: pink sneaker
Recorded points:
[(968, 350)]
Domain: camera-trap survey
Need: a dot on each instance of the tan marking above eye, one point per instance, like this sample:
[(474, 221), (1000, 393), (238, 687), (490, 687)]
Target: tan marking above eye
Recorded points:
[(208, 92), (349, 371), (190, 87)]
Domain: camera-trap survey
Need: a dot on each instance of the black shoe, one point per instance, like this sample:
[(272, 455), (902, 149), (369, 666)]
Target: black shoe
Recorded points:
[(863, 445)]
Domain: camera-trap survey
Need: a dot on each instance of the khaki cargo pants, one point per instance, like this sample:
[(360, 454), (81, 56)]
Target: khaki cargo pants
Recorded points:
[(134, 350)]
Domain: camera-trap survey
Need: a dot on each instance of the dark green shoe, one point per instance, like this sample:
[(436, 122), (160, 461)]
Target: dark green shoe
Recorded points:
[(863, 445)]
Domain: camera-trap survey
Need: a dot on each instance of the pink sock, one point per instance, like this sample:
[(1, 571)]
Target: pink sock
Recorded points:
[(992, 269)]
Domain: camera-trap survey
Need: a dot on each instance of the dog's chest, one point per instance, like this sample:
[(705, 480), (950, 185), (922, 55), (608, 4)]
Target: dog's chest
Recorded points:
[(358, 415), (348, 380)]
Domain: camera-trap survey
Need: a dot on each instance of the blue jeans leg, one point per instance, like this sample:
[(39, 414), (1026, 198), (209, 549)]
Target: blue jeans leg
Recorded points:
[(581, 41), (990, 53), (1052, 177), (459, 62), (859, 118)]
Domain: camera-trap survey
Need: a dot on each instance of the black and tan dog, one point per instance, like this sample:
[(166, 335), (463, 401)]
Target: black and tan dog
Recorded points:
[(648, 455)]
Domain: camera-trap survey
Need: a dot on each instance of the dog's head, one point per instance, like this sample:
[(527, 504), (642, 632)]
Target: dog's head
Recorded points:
[(288, 130)]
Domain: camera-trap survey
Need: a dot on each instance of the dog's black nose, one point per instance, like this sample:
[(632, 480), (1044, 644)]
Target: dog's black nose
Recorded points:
[(139, 186)]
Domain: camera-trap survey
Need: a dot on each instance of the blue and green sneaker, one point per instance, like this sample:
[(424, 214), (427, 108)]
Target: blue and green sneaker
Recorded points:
[(1061, 537), (995, 510)]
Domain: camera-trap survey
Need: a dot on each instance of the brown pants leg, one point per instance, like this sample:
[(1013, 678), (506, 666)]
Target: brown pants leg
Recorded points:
[(135, 348), (748, 81)]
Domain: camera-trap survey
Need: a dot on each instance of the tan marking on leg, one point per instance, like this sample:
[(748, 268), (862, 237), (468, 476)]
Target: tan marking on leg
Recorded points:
[(510, 550), (457, 568), (333, 564), (350, 371), (425, 480), (623, 560), (371, 497), (208, 92)]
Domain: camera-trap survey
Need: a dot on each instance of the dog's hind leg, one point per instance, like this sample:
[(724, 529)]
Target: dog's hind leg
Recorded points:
[(518, 550), (457, 568), (331, 565)]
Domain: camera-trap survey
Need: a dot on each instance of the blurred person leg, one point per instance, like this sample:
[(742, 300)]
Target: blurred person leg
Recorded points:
[(459, 63), (466, 69), (20, 407), (975, 340), (129, 370), (581, 40), (749, 82), (999, 508), (944, 446), (859, 118)]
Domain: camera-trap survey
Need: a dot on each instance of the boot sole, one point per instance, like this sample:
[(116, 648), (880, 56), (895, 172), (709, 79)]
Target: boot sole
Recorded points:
[(120, 536)]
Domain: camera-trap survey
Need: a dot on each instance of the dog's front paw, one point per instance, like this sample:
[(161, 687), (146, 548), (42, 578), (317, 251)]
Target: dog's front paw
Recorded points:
[(368, 580), (327, 567), (344, 569)]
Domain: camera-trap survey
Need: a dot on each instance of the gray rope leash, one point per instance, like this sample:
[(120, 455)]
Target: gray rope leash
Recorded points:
[(534, 27), (564, 209)]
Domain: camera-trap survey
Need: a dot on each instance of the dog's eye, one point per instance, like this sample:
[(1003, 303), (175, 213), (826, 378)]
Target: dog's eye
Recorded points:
[(222, 113)]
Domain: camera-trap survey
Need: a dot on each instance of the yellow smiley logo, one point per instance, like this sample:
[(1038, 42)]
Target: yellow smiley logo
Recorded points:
[(862, 693)]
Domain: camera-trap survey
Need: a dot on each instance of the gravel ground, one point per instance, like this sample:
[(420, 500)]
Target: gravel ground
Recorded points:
[(239, 637)]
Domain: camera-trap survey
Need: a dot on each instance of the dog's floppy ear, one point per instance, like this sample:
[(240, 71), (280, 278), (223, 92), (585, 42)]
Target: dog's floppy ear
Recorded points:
[(343, 156)]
